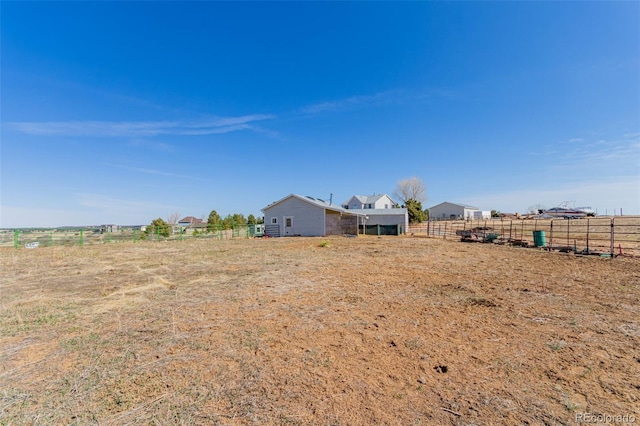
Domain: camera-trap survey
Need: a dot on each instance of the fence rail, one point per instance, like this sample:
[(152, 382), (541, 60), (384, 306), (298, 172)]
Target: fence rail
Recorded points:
[(90, 236), (618, 235)]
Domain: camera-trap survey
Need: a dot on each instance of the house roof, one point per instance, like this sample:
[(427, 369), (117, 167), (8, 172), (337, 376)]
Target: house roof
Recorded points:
[(314, 201), (367, 199), (190, 219), (465, 206)]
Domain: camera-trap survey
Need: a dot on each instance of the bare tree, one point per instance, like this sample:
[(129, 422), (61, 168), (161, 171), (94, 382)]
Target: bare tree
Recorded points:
[(410, 189), (173, 218)]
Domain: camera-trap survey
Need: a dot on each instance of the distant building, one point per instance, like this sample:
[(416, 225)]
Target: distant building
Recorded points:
[(453, 211), (105, 229), (189, 221), (481, 214), (189, 225)]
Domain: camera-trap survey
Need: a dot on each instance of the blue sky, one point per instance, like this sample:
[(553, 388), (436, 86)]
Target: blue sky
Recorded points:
[(118, 112)]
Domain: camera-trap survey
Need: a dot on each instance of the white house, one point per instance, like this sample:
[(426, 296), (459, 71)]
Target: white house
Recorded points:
[(452, 211), (299, 215), (382, 201)]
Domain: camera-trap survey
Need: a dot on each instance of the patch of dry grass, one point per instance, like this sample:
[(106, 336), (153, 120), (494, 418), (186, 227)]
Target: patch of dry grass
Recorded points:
[(295, 331)]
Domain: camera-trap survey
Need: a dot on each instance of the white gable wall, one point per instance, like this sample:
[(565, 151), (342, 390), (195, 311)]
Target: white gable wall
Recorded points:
[(384, 202), (481, 214), (354, 203)]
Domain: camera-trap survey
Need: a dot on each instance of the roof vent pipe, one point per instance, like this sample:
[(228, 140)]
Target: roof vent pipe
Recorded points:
[(331, 199)]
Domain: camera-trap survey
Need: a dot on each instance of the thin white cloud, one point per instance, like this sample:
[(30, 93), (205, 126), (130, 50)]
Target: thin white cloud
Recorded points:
[(214, 125), (150, 144), (602, 195), (377, 99), (86, 209), (603, 152), (354, 101), (151, 171), (109, 203)]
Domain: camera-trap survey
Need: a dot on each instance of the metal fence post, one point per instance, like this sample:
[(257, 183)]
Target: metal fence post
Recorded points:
[(588, 235), (81, 238), (16, 238), (51, 239), (612, 235)]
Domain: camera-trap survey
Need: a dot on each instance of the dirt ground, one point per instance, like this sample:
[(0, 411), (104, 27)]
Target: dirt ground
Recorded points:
[(327, 331)]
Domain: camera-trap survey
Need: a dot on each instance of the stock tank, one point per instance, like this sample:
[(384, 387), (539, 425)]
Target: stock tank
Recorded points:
[(539, 239)]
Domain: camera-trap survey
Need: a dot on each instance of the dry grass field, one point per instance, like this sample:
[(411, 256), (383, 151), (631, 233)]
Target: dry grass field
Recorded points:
[(335, 331)]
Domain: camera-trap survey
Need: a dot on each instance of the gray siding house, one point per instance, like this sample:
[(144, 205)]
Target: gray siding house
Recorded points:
[(299, 215), (452, 211)]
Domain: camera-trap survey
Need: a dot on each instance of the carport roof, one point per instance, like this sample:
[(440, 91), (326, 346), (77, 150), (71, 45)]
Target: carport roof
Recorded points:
[(380, 212)]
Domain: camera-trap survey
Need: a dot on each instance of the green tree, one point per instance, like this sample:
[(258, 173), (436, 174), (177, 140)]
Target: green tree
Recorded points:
[(227, 222), (214, 221), (251, 220), (158, 227), (414, 209), (238, 219), (495, 213)]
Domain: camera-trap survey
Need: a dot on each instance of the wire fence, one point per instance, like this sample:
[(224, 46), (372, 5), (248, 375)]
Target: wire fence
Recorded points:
[(605, 236), (34, 238)]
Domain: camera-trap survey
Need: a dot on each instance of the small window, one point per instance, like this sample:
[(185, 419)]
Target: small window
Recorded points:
[(274, 220), (386, 206), (288, 222)]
